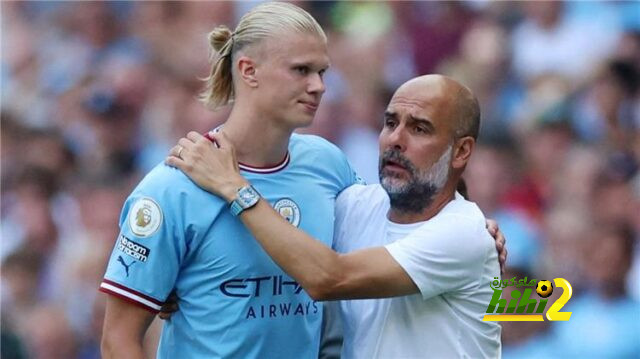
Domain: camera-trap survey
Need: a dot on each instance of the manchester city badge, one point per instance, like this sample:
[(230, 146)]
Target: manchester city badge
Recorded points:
[(289, 210)]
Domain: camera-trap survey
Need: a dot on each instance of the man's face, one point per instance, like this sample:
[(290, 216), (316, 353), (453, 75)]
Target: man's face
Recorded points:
[(416, 146), (290, 78)]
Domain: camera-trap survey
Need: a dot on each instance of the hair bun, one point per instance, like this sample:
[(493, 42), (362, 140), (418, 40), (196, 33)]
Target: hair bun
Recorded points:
[(219, 37)]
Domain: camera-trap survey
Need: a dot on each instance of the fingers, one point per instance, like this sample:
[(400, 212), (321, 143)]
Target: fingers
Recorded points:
[(492, 226), (176, 151), (186, 143), (167, 310), (225, 145), (176, 162), (194, 136), (221, 139), (494, 230), (169, 307), (503, 260), (500, 241)]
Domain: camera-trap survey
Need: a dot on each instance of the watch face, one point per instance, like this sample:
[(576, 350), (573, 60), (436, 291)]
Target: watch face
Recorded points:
[(247, 196)]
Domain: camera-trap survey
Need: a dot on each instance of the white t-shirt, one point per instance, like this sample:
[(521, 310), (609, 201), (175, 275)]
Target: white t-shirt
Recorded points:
[(451, 258)]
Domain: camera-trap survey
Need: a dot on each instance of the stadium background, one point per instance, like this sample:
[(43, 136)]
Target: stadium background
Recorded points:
[(95, 93)]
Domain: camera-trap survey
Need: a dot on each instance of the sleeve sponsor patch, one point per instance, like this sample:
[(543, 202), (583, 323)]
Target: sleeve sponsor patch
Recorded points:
[(133, 249), (145, 217)]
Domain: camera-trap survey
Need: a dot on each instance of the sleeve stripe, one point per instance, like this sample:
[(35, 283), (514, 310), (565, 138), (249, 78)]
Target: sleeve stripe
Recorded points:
[(127, 299), (129, 294), (134, 292)]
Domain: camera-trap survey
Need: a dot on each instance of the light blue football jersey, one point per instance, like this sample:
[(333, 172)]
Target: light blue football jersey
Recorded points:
[(235, 302)]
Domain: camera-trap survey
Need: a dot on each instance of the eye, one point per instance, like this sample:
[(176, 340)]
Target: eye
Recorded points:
[(421, 129), (389, 122), (321, 73), (302, 70)]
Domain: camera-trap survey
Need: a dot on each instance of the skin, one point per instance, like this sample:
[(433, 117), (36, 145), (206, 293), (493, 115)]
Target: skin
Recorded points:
[(430, 102), (278, 85)]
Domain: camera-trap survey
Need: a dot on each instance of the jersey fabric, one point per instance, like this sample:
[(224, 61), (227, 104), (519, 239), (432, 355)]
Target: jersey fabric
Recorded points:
[(451, 258), (235, 302)]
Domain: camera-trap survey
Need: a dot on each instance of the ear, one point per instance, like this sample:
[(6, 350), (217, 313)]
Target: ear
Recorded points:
[(462, 151), (247, 71)]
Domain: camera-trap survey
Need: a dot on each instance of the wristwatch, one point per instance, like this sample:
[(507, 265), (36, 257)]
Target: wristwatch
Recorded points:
[(247, 197)]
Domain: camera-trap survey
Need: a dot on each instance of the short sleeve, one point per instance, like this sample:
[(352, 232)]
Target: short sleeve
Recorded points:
[(341, 166), (150, 248), (350, 176), (443, 255)]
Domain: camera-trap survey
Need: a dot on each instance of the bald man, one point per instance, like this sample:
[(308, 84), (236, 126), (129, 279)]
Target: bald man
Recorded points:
[(412, 240)]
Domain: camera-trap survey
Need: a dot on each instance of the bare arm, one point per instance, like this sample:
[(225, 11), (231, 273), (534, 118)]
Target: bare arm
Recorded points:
[(325, 274), (124, 328)]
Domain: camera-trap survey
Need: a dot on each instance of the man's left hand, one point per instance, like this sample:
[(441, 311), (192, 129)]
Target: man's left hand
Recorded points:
[(501, 241)]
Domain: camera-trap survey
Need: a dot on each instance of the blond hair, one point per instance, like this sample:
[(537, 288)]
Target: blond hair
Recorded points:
[(261, 22)]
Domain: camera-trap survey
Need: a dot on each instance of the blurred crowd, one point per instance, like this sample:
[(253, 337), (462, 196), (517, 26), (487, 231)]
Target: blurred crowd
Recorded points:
[(95, 93)]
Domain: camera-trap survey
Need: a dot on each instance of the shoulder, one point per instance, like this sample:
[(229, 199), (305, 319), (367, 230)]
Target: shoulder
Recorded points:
[(322, 158), (464, 212), (162, 178), (173, 190), (464, 225), (313, 143)]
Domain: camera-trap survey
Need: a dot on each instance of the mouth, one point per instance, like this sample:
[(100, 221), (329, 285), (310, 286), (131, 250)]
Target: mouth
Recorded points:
[(310, 105), (394, 166)]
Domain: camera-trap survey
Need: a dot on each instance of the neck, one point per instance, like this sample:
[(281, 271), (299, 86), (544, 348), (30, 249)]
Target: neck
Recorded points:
[(446, 195), (259, 141)]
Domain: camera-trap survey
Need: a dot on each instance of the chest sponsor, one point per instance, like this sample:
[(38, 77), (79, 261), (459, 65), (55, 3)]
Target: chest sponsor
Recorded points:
[(284, 295), (285, 309)]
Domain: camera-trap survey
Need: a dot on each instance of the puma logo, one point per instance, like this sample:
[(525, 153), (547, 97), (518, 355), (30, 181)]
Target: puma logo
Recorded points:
[(126, 266)]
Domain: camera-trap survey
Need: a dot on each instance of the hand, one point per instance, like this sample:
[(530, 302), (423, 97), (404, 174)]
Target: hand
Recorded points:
[(501, 241), (169, 307), (213, 169)]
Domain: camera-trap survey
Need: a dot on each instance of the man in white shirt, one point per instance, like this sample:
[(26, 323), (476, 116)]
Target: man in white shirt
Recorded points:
[(450, 258), (412, 240)]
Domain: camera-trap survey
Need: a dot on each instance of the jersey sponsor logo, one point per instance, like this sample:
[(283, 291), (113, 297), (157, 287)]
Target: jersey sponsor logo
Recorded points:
[(145, 217), (132, 249), (254, 287), (281, 310), (126, 266), (289, 210), (269, 286)]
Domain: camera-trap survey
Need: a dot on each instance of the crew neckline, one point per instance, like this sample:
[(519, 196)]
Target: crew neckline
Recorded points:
[(254, 169)]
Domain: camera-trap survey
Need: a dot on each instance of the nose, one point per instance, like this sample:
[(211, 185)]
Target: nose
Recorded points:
[(316, 84), (394, 138)]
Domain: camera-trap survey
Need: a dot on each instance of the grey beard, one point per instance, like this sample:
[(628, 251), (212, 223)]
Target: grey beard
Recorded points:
[(415, 199), (421, 189)]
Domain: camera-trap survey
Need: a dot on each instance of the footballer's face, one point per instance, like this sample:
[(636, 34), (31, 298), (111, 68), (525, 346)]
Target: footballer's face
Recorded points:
[(290, 78), (416, 145)]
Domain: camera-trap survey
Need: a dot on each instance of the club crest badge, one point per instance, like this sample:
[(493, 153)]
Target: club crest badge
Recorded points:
[(145, 217), (289, 210)]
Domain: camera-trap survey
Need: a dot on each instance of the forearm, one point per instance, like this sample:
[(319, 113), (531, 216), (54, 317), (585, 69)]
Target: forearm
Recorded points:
[(314, 265)]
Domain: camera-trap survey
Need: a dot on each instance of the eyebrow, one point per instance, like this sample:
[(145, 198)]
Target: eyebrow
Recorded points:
[(419, 120), (310, 65)]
